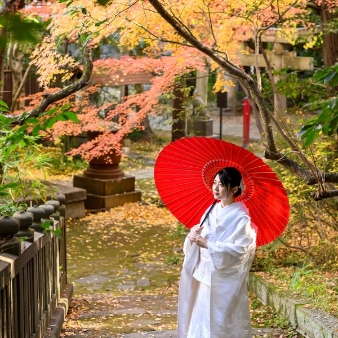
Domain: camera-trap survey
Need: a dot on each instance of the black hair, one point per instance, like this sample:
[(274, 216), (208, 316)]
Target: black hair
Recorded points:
[(229, 177)]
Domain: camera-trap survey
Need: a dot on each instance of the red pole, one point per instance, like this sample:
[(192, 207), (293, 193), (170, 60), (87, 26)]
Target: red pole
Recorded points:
[(246, 122)]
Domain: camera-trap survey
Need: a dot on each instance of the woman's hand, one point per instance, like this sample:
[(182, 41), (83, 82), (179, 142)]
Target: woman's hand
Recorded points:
[(201, 242), (194, 232)]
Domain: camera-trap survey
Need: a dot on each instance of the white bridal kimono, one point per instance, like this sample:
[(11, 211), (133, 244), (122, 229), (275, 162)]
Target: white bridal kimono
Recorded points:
[(213, 297)]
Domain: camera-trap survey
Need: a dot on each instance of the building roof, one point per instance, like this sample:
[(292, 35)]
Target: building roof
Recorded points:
[(121, 79)]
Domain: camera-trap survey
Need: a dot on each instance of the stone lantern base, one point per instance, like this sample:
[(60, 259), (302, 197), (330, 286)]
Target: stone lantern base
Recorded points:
[(107, 193), (203, 127), (106, 185)]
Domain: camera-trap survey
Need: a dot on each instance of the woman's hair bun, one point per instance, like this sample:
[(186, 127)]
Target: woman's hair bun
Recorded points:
[(238, 192)]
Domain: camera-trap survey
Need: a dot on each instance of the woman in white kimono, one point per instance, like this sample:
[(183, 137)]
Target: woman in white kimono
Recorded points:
[(213, 296)]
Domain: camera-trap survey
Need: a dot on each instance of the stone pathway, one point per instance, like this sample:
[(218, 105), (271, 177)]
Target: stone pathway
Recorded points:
[(172, 333), (118, 292), (142, 173), (125, 278)]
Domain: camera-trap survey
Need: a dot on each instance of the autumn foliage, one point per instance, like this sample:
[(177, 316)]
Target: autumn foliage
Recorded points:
[(219, 25), (129, 114), (130, 22)]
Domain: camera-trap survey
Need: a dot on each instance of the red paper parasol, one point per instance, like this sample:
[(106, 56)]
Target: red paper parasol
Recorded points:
[(185, 170)]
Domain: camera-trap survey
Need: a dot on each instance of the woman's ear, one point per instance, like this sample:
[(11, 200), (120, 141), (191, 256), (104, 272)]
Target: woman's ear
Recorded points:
[(234, 190)]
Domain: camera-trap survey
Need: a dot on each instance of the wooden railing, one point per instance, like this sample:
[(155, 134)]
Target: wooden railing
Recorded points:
[(34, 293)]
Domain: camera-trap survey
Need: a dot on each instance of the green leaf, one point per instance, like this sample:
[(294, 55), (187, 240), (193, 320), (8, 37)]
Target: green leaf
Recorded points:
[(16, 138), (57, 232), (70, 116), (99, 23), (20, 28), (22, 128), (32, 120), (305, 129), (323, 116), (46, 226), (84, 38), (3, 118), (36, 130), (333, 126), (49, 123), (333, 103), (65, 107), (9, 186), (52, 111), (4, 104), (329, 77), (326, 129), (310, 137), (321, 74)]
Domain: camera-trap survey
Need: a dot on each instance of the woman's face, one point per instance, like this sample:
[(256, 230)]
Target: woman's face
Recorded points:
[(221, 192)]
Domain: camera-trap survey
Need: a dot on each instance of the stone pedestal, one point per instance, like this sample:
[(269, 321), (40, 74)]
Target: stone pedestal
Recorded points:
[(203, 127), (107, 193), (105, 182)]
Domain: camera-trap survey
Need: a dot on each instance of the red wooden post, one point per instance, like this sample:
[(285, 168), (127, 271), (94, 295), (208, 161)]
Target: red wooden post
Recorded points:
[(246, 122)]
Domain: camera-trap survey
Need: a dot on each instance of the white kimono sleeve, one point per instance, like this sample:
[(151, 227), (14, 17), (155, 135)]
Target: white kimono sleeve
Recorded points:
[(186, 246), (187, 243), (234, 252)]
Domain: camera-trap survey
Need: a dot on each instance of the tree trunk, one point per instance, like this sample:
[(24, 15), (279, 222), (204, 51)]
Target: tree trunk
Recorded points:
[(15, 58), (330, 45), (178, 115), (147, 131)]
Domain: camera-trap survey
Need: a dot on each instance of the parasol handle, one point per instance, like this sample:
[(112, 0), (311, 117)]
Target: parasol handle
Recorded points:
[(209, 211)]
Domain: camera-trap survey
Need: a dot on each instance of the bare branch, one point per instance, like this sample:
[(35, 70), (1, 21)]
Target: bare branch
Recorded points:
[(325, 194), (210, 24), (116, 15), (291, 247), (158, 38), (280, 16), (293, 145), (258, 43), (306, 175), (327, 177), (72, 88), (290, 164)]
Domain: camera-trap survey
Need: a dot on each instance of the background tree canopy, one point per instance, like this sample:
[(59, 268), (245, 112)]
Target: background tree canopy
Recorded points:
[(201, 31)]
